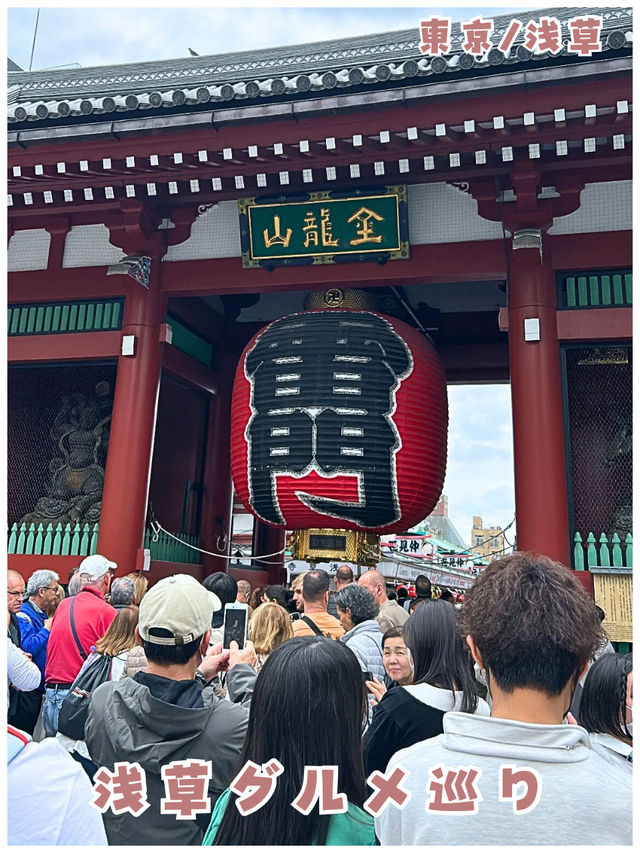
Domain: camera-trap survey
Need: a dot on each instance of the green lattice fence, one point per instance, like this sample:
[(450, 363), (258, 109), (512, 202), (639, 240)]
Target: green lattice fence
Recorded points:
[(602, 552), (53, 539), (171, 550)]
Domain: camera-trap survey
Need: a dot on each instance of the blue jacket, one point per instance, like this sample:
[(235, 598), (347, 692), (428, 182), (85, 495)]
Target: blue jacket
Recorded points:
[(34, 636)]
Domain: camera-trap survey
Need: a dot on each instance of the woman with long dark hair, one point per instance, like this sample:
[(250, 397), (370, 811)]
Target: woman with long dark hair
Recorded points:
[(307, 710), (606, 708), (442, 681)]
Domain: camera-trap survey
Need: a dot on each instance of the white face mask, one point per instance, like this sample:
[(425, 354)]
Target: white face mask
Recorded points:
[(630, 729)]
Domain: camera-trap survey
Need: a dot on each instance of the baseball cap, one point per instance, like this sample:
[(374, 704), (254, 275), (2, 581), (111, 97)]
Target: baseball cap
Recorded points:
[(95, 566), (178, 604)]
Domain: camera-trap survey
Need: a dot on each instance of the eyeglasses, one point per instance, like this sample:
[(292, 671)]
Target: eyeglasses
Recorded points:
[(19, 592)]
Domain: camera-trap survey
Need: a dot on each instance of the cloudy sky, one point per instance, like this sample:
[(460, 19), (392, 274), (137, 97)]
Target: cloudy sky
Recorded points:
[(480, 466)]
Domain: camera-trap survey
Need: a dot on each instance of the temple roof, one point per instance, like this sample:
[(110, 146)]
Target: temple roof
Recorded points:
[(357, 64)]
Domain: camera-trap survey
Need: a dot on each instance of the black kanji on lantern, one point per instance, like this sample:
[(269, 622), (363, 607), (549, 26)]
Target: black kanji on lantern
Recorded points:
[(322, 393)]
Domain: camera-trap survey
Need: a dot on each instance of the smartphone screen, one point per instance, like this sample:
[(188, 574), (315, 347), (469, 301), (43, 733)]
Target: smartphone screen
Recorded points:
[(235, 626)]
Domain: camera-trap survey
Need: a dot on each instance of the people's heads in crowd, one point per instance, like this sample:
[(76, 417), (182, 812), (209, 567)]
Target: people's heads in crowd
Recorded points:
[(244, 592), (42, 589), (174, 622), (423, 587), (55, 601), (439, 654), (403, 594), (256, 597), (122, 592), (270, 626), (296, 589), (392, 595), (395, 656), (374, 582), (530, 623), (415, 603), (319, 683), (97, 571), (140, 583), (120, 636), (355, 605), (343, 576), (15, 590), (276, 593), (74, 583), (447, 595), (223, 585), (315, 588), (606, 703)]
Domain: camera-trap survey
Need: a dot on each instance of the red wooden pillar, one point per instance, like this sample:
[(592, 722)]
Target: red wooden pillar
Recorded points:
[(269, 540), (542, 514), (217, 493), (133, 421)]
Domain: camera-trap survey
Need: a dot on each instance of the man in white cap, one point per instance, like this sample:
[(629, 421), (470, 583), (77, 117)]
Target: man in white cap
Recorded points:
[(166, 713), (77, 623)]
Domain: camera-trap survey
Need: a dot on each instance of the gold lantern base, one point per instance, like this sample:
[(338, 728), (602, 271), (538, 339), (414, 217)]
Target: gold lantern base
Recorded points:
[(323, 544)]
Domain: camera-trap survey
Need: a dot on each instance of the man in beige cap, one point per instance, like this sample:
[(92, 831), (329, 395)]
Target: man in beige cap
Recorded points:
[(166, 713), (77, 623)]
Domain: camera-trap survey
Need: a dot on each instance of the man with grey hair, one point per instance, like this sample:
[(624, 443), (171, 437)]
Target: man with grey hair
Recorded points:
[(390, 614), (74, 583), (122, 592), (34, 638), (78, 622)]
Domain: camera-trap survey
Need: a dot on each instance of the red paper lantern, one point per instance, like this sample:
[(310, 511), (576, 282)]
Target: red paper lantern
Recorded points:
[(339, 420)]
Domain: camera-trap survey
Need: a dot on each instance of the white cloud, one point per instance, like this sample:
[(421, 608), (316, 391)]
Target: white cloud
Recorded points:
[(120, 34)]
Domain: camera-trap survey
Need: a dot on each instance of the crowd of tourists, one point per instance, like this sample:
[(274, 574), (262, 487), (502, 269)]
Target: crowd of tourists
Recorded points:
[(350, 716)]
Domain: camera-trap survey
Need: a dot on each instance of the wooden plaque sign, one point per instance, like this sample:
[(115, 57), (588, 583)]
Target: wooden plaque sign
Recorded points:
[(613, 591)]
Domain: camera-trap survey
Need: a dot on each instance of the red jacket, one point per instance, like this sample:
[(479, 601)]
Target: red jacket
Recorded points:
[(91, 617)]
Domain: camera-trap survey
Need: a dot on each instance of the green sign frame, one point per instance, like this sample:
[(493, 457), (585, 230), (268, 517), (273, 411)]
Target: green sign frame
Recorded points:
[(324, 227)]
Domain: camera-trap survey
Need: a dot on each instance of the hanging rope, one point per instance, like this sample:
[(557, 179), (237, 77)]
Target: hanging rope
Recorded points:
[(157, 527)]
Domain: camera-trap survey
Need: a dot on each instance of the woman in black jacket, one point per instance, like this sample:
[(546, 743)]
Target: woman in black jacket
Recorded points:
[(442, 681)]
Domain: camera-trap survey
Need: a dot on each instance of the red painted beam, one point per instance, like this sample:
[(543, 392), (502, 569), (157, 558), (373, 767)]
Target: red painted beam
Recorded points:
[(189, 370), (594, 324), (428, 263), (466, 261), (66, 284), (591, 251), (64, 347)]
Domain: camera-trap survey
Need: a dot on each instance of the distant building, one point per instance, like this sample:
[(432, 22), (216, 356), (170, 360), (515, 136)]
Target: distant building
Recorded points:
[(441, 525), (486, 541)]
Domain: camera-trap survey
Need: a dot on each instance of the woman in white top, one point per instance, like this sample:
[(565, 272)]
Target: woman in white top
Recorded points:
[(22, 673), (606, 708)]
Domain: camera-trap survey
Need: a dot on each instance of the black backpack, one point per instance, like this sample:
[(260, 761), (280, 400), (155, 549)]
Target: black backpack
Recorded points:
[(75, 705)]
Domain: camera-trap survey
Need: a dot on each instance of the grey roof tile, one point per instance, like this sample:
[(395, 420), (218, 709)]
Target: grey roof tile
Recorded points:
[(299, 70)]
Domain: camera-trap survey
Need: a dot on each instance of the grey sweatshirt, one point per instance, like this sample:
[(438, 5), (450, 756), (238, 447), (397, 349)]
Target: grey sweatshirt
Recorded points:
[(583, 799)]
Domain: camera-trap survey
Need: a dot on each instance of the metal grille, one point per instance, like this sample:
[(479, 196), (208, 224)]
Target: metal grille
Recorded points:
[(58, 433), (598, 385)]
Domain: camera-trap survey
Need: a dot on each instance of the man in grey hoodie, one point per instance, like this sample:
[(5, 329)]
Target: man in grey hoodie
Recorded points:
[(165, 713), (521, 776)]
